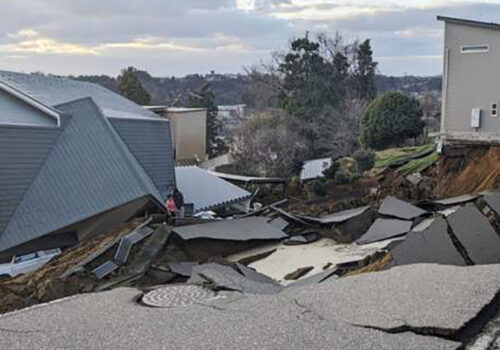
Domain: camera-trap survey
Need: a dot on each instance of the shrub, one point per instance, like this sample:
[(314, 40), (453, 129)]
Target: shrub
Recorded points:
[(330, 172), (390, 119), (365, 160)]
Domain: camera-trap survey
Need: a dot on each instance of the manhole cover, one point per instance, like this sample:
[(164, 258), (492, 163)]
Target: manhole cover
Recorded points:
[(178, 296)]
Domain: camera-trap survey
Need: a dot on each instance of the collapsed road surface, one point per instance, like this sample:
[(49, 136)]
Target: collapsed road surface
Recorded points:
[(410, 307)]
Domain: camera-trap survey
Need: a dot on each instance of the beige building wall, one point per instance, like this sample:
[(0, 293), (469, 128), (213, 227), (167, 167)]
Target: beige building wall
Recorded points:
[(470, 80), (189, 130)]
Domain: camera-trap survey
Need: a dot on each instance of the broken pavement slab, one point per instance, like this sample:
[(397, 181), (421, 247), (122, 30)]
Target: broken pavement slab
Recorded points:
[(394, 207), (249, 228), (433, 245), (183, 268), (476, 235), (424, 298), (382, 310), (305, 238), (221, 277), (493, 201), (250, 273), (316, 278), (325, 252), (337, 218), (383, 229)]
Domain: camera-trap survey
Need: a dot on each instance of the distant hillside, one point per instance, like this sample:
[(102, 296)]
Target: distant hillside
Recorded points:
[(231, 89), (408, 84)]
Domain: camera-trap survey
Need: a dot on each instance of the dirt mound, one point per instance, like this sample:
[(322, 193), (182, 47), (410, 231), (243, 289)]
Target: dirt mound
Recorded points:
[(468, 170), (45, 284)]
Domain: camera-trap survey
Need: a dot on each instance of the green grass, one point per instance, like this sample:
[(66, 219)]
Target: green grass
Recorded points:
[(418, 165), (386, 157)]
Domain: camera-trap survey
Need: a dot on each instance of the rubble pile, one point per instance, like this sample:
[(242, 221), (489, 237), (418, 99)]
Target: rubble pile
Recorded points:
[(271, 249)]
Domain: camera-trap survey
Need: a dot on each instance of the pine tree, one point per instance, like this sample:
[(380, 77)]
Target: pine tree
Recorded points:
[(204, 98), (130, 87), (364, 74)]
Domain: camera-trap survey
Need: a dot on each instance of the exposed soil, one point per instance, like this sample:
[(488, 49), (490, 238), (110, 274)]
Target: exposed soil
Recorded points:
[(470, 170), (45, 285)]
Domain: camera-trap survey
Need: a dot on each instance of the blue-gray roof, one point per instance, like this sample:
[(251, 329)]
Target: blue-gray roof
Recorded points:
[(22, 152), (207, 191), (92, 167), (53, 91), (150, 143)]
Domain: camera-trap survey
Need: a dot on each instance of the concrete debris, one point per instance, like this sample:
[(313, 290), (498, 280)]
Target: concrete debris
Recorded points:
[(432, 245), (317, 278), (383, 229), (183, 268), (415, 178), (456, 200), (304, 238), (337, 218), (222, 277), (295, 275), (493, 201), (253, 275), (476, 235), (400, 209), (423, 225), (249, 228)]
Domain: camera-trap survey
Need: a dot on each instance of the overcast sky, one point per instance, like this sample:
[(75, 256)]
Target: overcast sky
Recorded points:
[(178, 37)]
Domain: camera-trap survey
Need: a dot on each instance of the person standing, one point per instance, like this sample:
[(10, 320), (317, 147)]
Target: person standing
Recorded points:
[(179, 202), (170, 206)]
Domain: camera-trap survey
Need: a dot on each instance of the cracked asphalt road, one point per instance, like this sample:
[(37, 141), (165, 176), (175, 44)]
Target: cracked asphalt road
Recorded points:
[(334, 314)]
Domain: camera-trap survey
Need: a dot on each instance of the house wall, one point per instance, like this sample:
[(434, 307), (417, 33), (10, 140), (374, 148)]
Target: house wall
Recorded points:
[(15, 111), (189, 134), (470, 80)]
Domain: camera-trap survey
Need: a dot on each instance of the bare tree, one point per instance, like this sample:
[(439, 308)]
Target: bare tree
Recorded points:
[(268, 144)]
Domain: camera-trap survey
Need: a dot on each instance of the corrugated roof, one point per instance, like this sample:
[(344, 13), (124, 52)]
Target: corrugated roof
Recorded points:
[(248, 179), (150, 143), (23, 151), (89, 170), (314, 168), (54, 91), (251, 228), (207, 191)]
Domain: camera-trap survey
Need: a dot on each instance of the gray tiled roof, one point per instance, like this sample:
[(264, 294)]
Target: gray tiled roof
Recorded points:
[(207, 191), (54, 91), (88, 171)]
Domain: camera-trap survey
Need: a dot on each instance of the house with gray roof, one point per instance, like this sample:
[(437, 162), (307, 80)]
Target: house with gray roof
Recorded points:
[(75, 160)]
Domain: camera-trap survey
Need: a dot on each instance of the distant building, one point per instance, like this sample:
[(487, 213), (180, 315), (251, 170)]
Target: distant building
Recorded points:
[(75, 160), (471, 81), (231, 117), (189, 131)]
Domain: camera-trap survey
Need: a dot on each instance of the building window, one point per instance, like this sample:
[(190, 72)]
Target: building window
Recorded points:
[(494, 109), (475, 48)]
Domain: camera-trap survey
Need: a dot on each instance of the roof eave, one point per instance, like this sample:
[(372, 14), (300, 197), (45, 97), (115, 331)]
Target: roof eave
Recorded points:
[(468, 22), (30, 101)]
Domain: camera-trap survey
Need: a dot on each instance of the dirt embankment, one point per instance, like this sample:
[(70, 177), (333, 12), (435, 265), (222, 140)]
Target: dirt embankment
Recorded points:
[(468, 170), (45, 285)]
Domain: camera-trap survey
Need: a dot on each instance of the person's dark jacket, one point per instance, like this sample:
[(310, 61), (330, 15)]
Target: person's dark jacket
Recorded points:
[(178, 198)]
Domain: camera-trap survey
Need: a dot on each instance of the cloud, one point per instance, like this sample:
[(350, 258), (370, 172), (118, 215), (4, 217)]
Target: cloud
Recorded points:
[(173, 37)]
